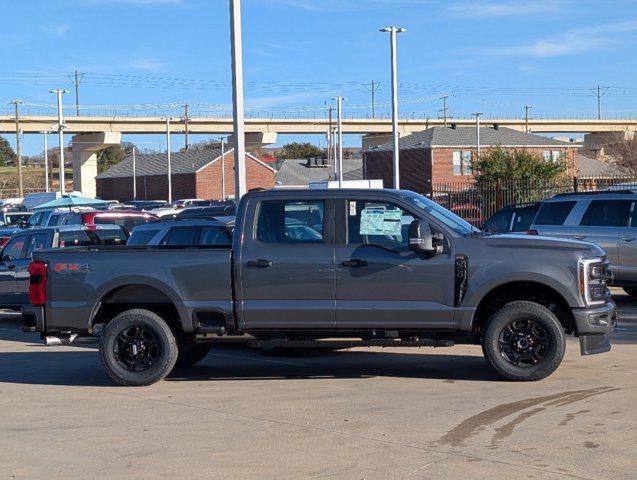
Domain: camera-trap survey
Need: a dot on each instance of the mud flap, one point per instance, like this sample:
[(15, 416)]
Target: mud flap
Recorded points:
[(592, 344)]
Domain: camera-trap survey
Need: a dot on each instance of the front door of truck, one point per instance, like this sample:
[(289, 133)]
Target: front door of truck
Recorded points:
[(286, 266), (380, 282), (36, 242)]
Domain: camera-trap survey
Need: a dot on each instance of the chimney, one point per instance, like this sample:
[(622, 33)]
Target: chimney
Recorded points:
[(496, 126), (453, 126)]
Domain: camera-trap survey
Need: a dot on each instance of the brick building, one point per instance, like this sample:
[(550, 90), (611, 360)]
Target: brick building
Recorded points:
[(444, 154), (195, 174)]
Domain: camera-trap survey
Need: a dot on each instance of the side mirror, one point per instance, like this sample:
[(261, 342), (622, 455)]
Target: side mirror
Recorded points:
[(422, 240)]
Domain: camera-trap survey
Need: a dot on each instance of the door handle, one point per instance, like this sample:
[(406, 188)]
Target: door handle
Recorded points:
[(627, 239), (261, 263), (354, 263), (579, 237)]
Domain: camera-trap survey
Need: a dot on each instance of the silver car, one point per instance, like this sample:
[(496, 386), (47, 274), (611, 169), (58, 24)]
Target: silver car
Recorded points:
[(607, 218)]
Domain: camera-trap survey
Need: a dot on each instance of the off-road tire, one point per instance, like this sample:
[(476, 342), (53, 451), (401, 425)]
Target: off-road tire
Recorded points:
[(166, 344), (523, 310), (192, 354)]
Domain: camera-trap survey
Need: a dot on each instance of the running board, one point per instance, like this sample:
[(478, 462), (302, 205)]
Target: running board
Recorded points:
[(347, 343)]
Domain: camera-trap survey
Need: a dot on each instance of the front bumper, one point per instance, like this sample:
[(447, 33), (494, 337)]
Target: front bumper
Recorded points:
[(593, 324), (32, 319)]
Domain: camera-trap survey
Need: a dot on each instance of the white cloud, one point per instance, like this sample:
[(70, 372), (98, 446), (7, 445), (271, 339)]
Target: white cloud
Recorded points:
[(59, 30), (571, 42), (146, 64), (504, 9)]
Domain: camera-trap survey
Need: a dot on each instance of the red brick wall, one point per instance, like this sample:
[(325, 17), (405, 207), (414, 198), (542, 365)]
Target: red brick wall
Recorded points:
[(205, 184), (209, 178)]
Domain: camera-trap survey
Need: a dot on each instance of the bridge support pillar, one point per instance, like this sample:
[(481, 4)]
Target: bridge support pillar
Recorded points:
[(85, 148)]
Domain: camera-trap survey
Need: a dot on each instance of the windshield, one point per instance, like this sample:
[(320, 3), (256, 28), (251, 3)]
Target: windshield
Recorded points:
[(440, 213)]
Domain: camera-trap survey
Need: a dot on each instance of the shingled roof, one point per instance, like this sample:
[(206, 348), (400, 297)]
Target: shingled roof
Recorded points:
[(157, 164), (295, 172), (466, 137)]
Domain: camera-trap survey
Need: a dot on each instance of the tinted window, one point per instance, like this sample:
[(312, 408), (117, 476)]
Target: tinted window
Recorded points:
[(290, 222), (523, 217), (180, 236), (378, 223), (36, 242), (72, 219), (13, 249), (607, 213), (214, 236), (554, 213), (141, 237), (128, 222), (84, 238), (499, 222), (54, 219)]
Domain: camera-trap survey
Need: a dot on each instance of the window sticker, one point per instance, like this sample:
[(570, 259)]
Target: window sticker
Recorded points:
[(375, 221), (352, 208)]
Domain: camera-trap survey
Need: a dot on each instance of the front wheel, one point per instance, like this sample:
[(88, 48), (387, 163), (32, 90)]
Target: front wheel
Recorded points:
[(138, 348), (524, 341)]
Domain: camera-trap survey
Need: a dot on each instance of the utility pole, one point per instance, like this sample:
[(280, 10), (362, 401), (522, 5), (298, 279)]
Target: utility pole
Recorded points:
[(526, 117), (170, 182), (477, 115), (46, 161), (134, 175), (77, 79), (339, 114), (444, 109), (61, 128), (223, 169), (237, 100), (329, 133), (16, 104), (186, 119), (599, 93), (394, 99), (373, 90)]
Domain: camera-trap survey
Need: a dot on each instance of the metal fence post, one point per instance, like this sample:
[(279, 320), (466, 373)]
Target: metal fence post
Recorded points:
[(498, 194), (575, 183)]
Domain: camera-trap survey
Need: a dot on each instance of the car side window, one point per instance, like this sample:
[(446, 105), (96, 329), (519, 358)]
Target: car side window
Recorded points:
[(214, 236), (180, 236), (378, 223), (285, 221), (36, 242), (554, 213), (499, 222), (607, 213), (141, 237), (13, 250)]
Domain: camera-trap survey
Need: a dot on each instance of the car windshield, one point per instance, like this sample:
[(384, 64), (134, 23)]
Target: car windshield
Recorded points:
[(440, 213)]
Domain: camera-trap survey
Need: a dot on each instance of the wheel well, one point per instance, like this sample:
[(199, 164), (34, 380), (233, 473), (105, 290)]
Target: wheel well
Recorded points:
[(529, 291), (137, 296)]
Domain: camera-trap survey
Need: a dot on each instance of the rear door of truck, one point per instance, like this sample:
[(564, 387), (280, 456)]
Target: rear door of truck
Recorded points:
[(285, 262)]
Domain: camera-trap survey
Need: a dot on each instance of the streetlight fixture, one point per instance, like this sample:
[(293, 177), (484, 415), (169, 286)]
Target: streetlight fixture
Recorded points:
[(394, 97), (61, 128), (237, 100)]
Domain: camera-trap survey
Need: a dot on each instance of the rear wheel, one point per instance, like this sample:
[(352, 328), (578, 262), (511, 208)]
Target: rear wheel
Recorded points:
[(524, 341), (632, 291), (138, 348), (192, 354)]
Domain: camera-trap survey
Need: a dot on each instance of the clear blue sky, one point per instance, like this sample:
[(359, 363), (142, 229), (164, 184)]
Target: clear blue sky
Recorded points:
[(491, 56)]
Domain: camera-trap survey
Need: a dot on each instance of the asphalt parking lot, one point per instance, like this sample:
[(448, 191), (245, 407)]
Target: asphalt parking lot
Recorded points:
[(359, 414)]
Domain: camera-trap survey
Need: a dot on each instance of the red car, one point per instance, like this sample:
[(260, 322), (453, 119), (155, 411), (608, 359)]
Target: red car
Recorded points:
[(123, 218)]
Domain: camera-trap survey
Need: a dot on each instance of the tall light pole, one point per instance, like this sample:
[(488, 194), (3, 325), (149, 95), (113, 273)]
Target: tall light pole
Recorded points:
[(170, 182), (16, 104), (477, 115), (46, 161), (223, 168), (394, 98), (526, 117), (61, 127), (134, 175), (237, 100), (339, 114)]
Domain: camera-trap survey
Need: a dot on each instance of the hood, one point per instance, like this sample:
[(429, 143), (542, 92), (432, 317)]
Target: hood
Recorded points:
[(542, 243)]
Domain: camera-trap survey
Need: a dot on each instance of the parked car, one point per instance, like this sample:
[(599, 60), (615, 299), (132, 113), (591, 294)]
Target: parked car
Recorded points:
[(215, 210), (470, 212), (11, 223), (607, 218), (512, 218), (146, 204), (385, 268), (182, 233), (127, 219), (15, 256)]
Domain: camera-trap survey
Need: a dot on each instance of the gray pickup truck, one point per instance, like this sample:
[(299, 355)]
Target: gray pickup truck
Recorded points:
[(328, 268)]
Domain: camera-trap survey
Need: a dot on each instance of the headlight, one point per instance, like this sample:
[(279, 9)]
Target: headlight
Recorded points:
[(593, 280)]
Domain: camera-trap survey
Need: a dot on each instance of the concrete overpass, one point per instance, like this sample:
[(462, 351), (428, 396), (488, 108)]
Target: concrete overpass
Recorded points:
[(157, 125)]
